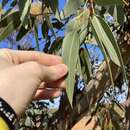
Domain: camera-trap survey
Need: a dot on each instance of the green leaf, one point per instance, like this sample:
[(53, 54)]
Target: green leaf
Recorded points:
[(50, 26), (109, 2), (44, 29), (71, 7), (54, 5), (106, 37), (24, 6), (70, 48), (80, 22), (118, 14), (36, 36), (79, 68), (85, 58), (83, 34), (7, 17), (9, 24), (115, 45), (22, 32)]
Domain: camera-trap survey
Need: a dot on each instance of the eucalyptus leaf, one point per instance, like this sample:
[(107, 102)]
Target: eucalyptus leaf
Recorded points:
[(70, 54), (109, 2), (36, 36), (24, 8), (50, 26), (80, 22), (115, 45), (71, 7), (118, 14), (44, 29), (85, 58), (106, 37), (79, 68), (106, 56), (54, 5), (22, 32), (9, 24)]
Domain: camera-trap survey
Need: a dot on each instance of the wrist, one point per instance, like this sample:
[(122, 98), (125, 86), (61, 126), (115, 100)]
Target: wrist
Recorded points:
[(8, 115)]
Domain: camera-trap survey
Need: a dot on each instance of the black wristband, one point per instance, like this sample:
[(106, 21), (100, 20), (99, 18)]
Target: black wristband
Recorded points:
[(8, 114)]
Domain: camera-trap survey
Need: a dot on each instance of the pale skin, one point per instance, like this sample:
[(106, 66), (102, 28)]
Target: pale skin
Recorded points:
[(29, 75)]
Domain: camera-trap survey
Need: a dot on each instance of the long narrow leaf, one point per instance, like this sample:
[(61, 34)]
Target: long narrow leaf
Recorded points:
[(25, 6), (85, 58), (114, 43), (71, 7), (9, 24), (104, 52), (106, 37), (36, 36), (109, 2), (70, 56)]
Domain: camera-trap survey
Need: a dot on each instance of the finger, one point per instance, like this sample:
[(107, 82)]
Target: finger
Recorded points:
[(44, 73), (47, 94), (53, 73), (56, 84), (18, 57)]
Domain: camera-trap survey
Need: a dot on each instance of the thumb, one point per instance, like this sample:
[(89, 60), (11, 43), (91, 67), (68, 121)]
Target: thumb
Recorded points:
[(53, 73)]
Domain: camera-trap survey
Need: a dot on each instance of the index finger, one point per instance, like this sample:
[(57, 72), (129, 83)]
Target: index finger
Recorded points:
[(40, 57)]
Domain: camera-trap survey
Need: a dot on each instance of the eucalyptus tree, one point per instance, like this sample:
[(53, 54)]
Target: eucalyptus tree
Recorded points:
[(104, 23)]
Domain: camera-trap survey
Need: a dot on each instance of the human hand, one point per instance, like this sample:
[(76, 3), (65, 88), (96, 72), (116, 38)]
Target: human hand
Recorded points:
[(24, 74)]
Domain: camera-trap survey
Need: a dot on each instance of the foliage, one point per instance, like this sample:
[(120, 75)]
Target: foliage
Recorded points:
[(83, 22)]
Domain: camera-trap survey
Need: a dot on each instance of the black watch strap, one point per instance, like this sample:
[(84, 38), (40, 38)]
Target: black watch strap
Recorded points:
[(8, 114)]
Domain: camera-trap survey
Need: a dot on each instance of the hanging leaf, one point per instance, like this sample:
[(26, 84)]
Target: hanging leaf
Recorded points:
[(50, 26), (79, 68), (114, 44), (98, 38), (22, 32), (44, 29), (79, 22), (9, 24), (85, 58), (109, 2), (106, 37), (53, 5), (71, 7), (118, 14), (36, 36), (24, 6), (83, 34), (71, 44)]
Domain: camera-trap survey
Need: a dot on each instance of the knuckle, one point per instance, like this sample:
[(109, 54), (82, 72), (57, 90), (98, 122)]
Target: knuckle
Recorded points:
[(5, 50), (7, 54), (35, 68), (34, 65)]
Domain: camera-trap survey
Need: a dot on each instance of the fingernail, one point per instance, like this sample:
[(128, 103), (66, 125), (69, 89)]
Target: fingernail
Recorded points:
[(62, 69)]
